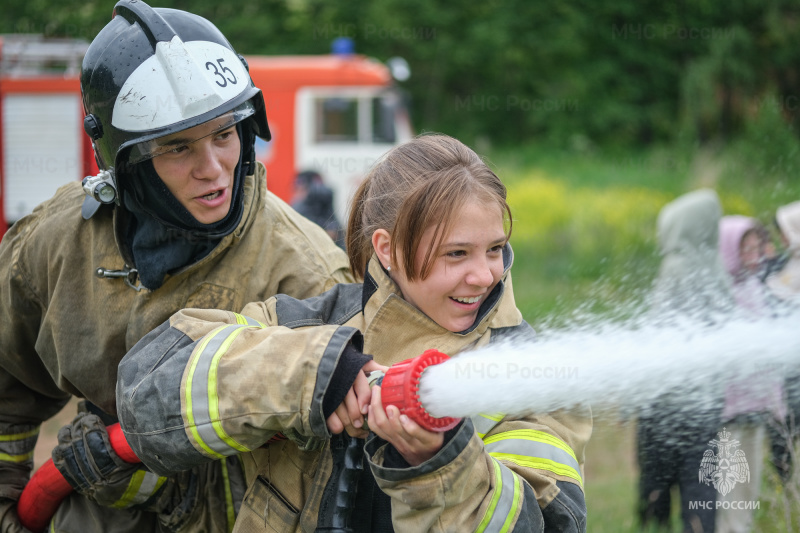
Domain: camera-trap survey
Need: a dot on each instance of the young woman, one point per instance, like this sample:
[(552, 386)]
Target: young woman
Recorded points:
[(283, 382)]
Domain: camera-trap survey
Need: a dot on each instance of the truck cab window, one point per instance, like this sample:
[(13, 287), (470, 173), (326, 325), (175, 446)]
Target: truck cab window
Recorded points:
[(336, 119)]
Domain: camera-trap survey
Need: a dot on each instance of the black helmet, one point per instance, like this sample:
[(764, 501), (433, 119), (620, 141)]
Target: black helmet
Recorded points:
[(150, 73)]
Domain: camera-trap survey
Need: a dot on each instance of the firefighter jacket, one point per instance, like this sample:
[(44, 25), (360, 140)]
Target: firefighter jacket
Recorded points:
[(245, 377), (63, 329)]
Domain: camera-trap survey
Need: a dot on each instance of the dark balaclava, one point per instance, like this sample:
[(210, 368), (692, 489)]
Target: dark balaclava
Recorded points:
[(161, 234)]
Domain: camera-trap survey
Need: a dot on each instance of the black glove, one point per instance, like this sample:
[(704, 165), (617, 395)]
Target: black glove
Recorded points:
[(9, 521), (85, 458)]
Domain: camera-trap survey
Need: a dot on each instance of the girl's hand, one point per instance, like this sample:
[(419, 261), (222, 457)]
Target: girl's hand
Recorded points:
[(414, 443), (349, 416)]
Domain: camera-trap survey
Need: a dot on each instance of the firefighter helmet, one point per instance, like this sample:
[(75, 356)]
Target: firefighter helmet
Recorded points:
[(151, 73)]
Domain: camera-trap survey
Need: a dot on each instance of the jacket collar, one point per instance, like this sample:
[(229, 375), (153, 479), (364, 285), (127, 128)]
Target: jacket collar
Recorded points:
[(384, 309)]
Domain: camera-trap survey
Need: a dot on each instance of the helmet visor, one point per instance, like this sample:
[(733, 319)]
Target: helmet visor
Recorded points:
[(175, 141)]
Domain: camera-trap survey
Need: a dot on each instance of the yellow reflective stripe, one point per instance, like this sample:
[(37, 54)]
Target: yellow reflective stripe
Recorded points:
[(540, 464), (134, 494), (19, 436), (229, 508), (498, 487), (533, 435), (247, 321), (205, 424), (16, 458), (514, 506), (535, 449), (484, 423), (130, 491), (505, 503), (213, 398), (188, 393)]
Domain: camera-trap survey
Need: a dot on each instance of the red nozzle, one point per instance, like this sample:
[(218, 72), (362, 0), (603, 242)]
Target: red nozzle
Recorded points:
[(400, 387)]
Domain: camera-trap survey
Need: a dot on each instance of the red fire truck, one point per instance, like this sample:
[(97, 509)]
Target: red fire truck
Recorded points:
[(335, 114)]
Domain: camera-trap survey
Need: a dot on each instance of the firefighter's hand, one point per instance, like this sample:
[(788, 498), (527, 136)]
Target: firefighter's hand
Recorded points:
[(85, 458), (349, 416), (411, 440), (9, 521)]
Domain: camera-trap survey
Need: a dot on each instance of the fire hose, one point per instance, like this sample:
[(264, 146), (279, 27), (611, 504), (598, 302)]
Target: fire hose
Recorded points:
[(47, 488)]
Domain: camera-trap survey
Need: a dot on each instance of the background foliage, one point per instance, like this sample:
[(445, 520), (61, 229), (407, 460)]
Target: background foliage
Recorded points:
[(575, 72)]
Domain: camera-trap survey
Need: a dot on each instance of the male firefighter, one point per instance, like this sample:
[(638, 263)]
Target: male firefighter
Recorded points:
[(179, 216)]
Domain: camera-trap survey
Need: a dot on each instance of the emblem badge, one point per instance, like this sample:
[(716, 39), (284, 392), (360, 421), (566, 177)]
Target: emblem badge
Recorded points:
[(727, 467)]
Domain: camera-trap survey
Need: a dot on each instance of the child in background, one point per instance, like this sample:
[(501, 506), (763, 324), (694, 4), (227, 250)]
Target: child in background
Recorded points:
[(742, 244), (752, 402), (428, 232)]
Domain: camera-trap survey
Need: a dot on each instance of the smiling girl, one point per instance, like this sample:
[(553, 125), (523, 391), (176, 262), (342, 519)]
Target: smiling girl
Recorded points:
[(284, 381)]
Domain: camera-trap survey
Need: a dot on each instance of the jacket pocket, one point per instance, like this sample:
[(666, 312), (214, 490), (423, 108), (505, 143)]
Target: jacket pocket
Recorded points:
[(264, 505)]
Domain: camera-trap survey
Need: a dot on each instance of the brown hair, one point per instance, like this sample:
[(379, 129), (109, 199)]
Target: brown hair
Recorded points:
[(415, 186)]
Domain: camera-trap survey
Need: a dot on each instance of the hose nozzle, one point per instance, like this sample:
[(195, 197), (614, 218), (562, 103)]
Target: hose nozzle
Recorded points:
[(400, 387)]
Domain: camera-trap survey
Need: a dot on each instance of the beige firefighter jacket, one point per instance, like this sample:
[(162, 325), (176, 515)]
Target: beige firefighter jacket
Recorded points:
[(63, 329), (246, 376)]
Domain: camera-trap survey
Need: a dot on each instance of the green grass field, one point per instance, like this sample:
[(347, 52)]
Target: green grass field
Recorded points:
[(584, 239), (612, 481)]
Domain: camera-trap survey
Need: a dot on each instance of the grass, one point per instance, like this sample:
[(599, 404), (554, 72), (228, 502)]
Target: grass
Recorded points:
[(612, 478), (584, 239)]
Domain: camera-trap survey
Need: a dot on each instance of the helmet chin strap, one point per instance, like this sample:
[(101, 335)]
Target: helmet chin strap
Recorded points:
[(247, 137)]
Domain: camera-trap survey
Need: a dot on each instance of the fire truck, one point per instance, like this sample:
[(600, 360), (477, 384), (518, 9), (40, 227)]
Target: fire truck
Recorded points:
[(335, 114)]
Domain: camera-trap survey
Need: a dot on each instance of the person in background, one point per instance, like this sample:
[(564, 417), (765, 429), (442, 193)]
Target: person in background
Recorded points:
[(753, 401), (743, 246), (785, 280), (179, 216), (428, 233), (784, 283), (314, 200), (672, 436)]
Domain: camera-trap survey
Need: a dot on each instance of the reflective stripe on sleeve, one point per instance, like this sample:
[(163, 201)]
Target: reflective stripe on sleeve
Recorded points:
[(19, 436), (247, 321), (18, 447), (505, 501), (535, 449), (230, 511), (485, 422), (202, 401), (142, 486), (19, 458)]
